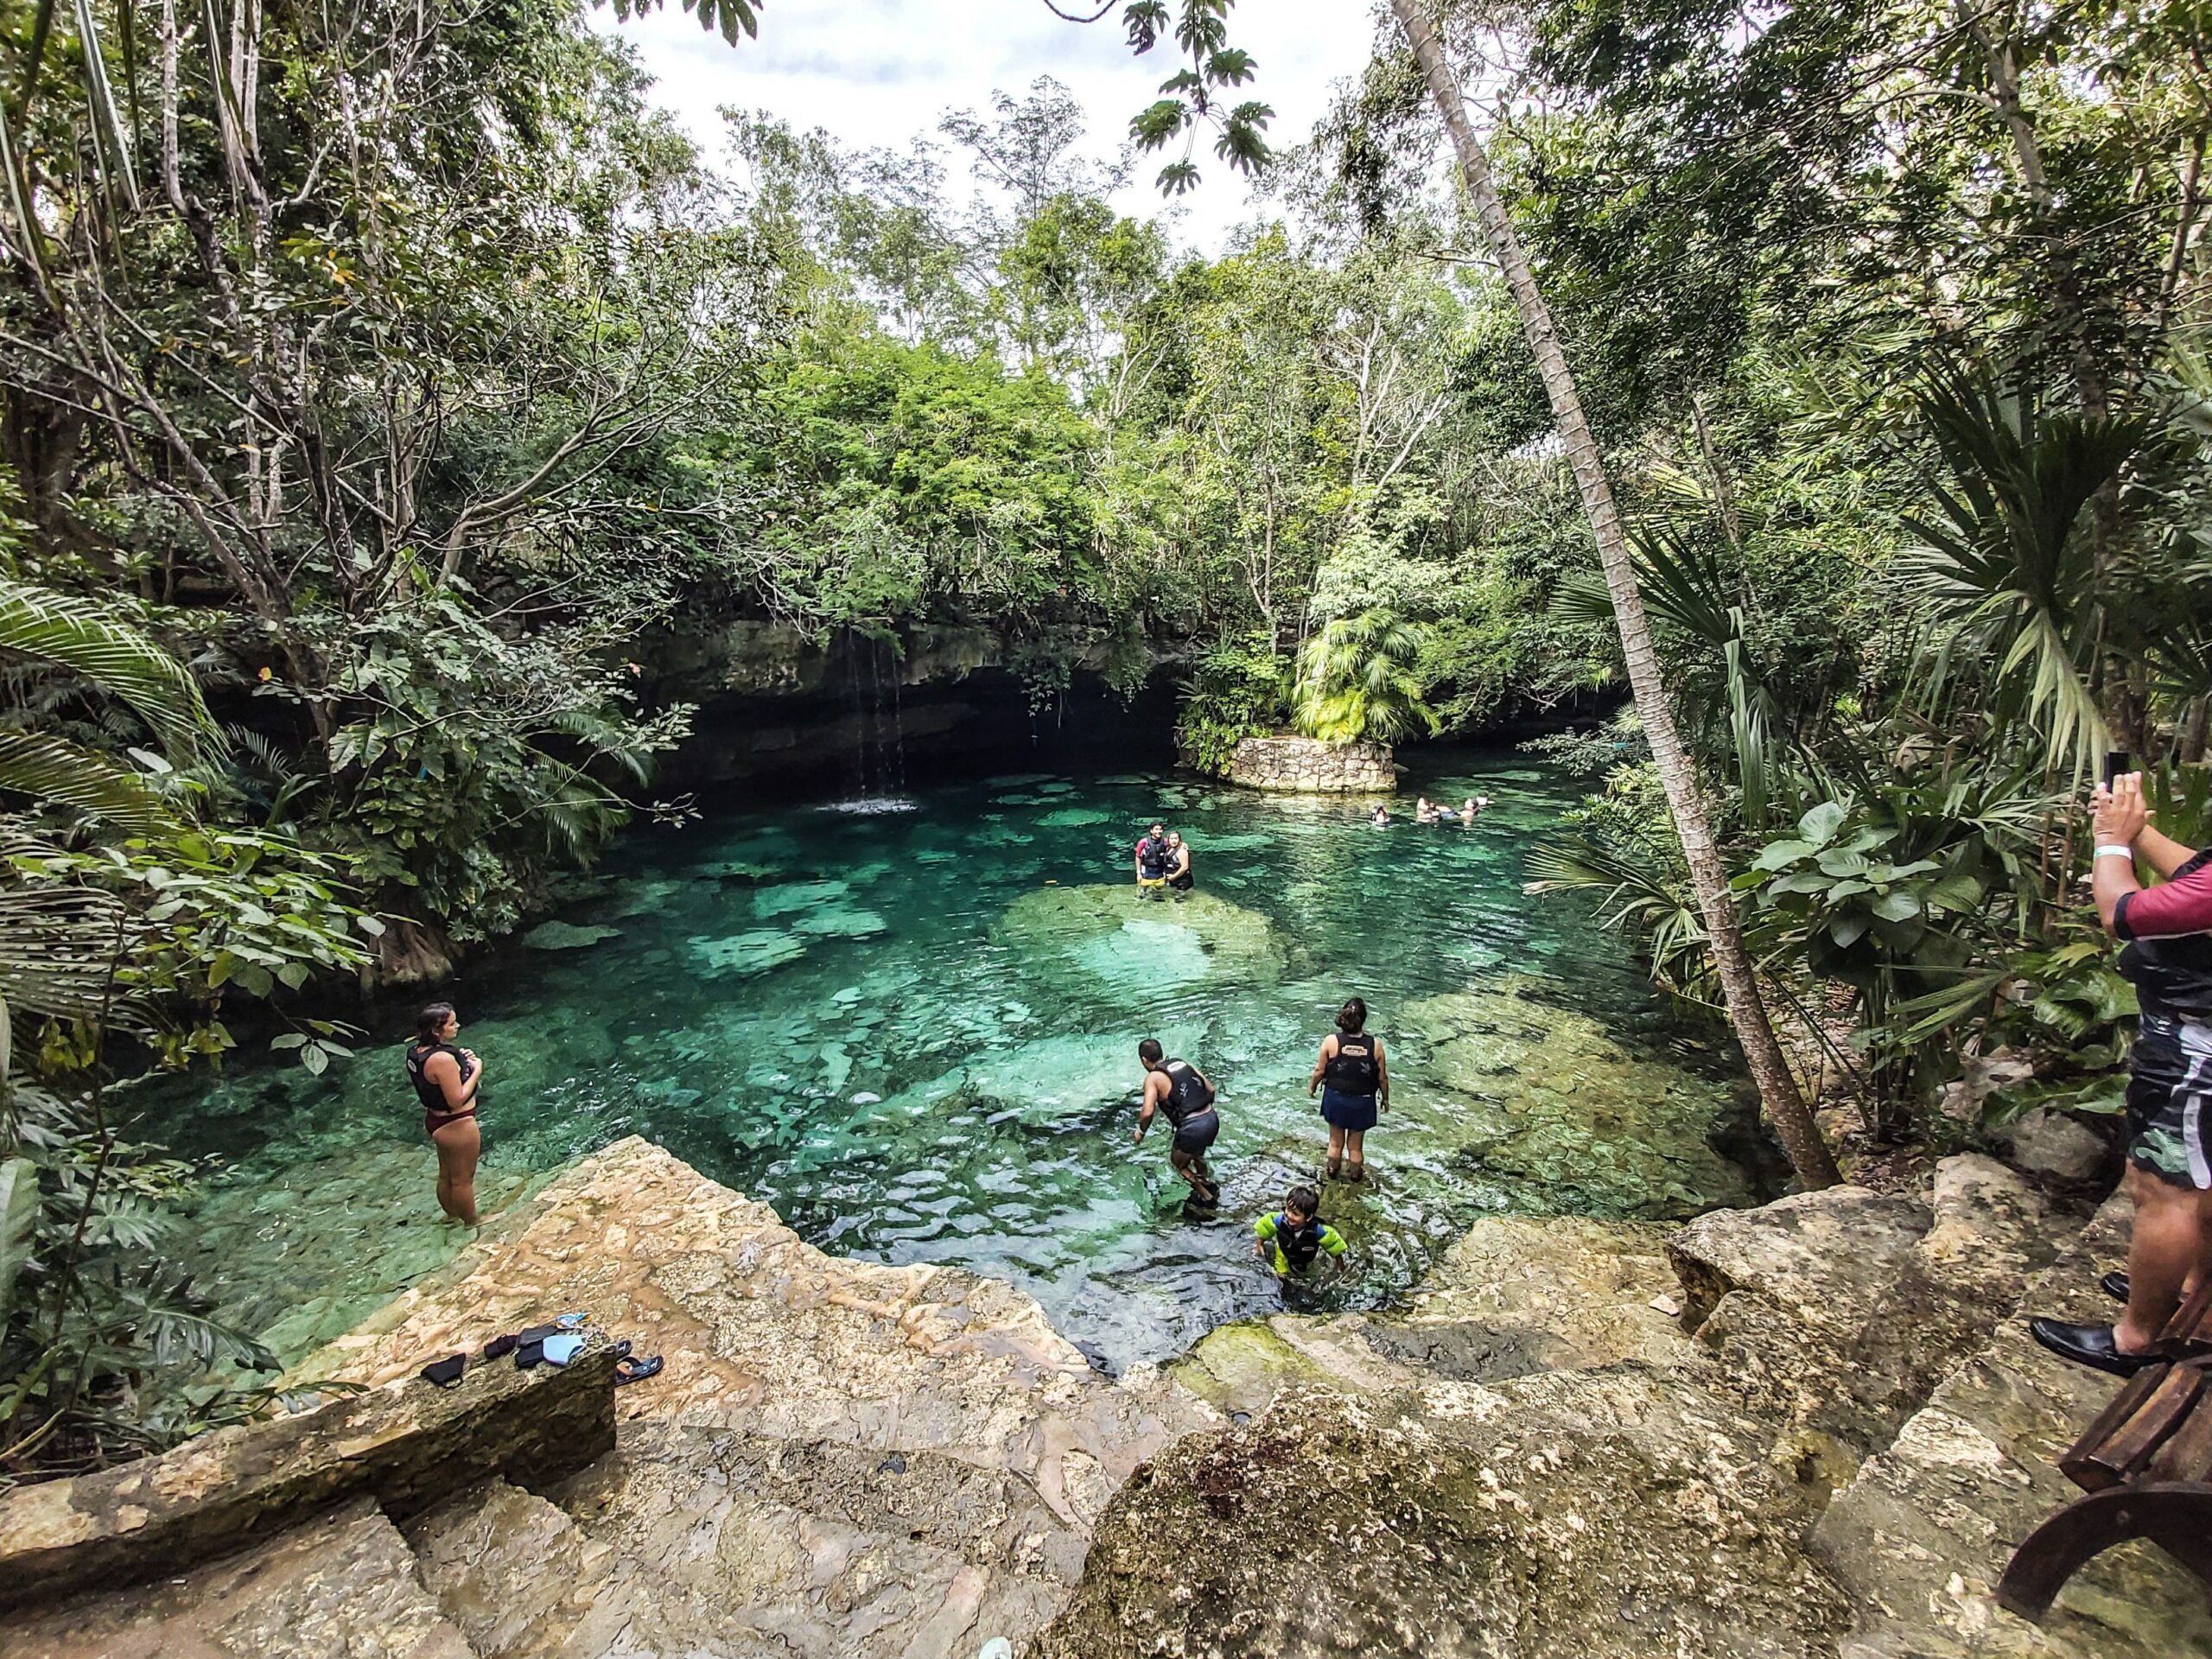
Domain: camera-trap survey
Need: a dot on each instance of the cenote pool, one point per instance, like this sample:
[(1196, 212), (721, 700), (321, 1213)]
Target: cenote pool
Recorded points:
[(910, 1025)]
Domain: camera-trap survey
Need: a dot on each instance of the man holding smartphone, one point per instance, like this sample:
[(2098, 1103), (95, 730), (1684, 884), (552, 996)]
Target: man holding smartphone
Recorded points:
[(2169, 959)]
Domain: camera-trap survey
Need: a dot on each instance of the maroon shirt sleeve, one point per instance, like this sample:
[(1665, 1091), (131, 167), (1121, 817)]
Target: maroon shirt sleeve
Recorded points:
[(2180, 906)]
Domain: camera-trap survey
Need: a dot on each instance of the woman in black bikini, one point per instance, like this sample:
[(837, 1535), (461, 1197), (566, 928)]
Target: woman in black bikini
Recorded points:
[(446, 1079)]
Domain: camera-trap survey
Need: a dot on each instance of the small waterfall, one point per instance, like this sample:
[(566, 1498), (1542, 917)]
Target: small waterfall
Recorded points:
[(891, 736), (879, 751), (857, 717)]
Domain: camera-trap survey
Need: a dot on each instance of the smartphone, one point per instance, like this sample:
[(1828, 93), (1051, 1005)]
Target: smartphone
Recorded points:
[(2115, 765)]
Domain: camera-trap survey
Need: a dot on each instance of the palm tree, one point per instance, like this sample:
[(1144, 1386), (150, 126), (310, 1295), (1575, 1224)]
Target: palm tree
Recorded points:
[(1785, 1105), (59, 945), (1356, 681)]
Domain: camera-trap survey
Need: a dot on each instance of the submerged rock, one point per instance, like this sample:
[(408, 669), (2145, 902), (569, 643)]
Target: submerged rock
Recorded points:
[(1547, 1108), (567, 935), (1112, 940), (753, 952)]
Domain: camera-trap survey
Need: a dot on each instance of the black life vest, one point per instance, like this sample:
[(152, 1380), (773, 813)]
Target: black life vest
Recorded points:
[(426, 1088), (1352, 1069), (1299, 1245), (1152, 858), (1188, 1094)]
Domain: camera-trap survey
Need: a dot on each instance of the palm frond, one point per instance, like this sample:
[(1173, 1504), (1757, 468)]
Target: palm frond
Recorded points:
[(114, 655), (58, 950), (2007, 568), (49, 768)]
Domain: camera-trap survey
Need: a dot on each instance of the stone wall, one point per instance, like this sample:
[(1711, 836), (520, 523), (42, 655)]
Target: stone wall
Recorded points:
[(1306, 766)]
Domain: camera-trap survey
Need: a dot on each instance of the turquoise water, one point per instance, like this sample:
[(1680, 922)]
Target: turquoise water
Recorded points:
[(911, 1026)]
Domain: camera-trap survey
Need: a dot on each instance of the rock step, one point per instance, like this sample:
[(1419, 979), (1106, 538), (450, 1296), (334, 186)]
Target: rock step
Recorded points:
[(341, 1584), (523, 1581), (831, 1549), (1921, 1534), (1835, 1316), (1516, 1295)]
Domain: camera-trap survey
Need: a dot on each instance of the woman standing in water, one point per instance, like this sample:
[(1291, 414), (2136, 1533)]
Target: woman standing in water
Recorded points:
[(1354, 1085), (446, 1079)]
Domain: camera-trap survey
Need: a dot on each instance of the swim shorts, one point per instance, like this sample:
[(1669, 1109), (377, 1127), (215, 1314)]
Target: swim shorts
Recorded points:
[(2169, 1079), (1151, 881), (1197, 1132), (1343, 1111)]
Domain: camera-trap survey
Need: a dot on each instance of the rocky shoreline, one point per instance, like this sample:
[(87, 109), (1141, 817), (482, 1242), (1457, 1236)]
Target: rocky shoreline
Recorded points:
[(1811, 1429)]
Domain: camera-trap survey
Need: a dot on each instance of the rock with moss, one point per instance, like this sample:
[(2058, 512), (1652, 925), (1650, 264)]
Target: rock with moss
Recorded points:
[(1113, 940), (1516, 1295), (1601, 1516), (1552, 1113)]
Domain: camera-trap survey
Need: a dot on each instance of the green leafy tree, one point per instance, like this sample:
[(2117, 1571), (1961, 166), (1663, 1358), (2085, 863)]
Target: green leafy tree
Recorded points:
[(1356, 681)]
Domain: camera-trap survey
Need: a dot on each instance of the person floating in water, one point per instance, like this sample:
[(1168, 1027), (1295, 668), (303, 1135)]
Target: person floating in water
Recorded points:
[(1181, 1091), (1179, 863), (1151, 859), (1475, 803), (1295, 1238), (1425, 813), (1354, 1084), (1381, 816), (446, 1079)]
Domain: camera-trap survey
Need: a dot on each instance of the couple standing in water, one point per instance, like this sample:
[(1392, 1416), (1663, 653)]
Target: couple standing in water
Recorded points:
[(1163, 860), (1349, 1074)]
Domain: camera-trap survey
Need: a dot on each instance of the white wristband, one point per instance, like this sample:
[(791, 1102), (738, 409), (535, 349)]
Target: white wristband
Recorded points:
[(2113, 850)]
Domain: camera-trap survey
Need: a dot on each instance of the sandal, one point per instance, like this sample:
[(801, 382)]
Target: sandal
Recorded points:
[(627, 1369)]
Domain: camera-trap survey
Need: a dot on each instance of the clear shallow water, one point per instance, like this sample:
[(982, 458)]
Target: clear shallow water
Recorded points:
[(911, 1028)]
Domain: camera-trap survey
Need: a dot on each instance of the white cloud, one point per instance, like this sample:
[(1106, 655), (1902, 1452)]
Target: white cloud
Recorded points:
[(876, 73)]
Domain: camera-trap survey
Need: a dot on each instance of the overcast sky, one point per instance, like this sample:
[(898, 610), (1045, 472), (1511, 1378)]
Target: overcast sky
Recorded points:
[(875, 73)]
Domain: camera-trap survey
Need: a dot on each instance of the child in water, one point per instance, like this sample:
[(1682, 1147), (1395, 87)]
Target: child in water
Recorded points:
[(1294, 1239)]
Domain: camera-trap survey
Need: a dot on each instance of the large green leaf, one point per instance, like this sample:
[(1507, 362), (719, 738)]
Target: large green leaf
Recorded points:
[(49, 768), (114, 654), (18, 1224)]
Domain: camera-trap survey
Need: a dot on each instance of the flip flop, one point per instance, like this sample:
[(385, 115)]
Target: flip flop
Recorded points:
[(627, 1369)]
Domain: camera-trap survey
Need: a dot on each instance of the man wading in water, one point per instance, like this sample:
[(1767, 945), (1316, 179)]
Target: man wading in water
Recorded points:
[(1180, 1089), (1152, 861)]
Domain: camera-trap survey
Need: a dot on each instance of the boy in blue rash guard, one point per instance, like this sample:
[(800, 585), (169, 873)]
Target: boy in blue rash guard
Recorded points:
[(1295, 1238)]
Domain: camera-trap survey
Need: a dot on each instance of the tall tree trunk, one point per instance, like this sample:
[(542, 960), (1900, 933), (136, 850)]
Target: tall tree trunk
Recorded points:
[(1785, 1106)]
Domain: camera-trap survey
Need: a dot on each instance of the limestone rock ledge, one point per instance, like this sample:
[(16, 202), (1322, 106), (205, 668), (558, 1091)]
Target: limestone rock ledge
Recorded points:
[(1808, 1431), (1812, 1429), (764, 1333)]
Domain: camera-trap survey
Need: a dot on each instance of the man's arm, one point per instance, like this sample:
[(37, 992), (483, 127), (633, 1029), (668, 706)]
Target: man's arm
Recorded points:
[(2162, 853), (1151, 1105), (2183, 905)]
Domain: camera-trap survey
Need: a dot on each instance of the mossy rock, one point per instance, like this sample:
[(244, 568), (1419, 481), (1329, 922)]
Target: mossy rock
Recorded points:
[(1544, 1103), (1117, 939), (567, 935)]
